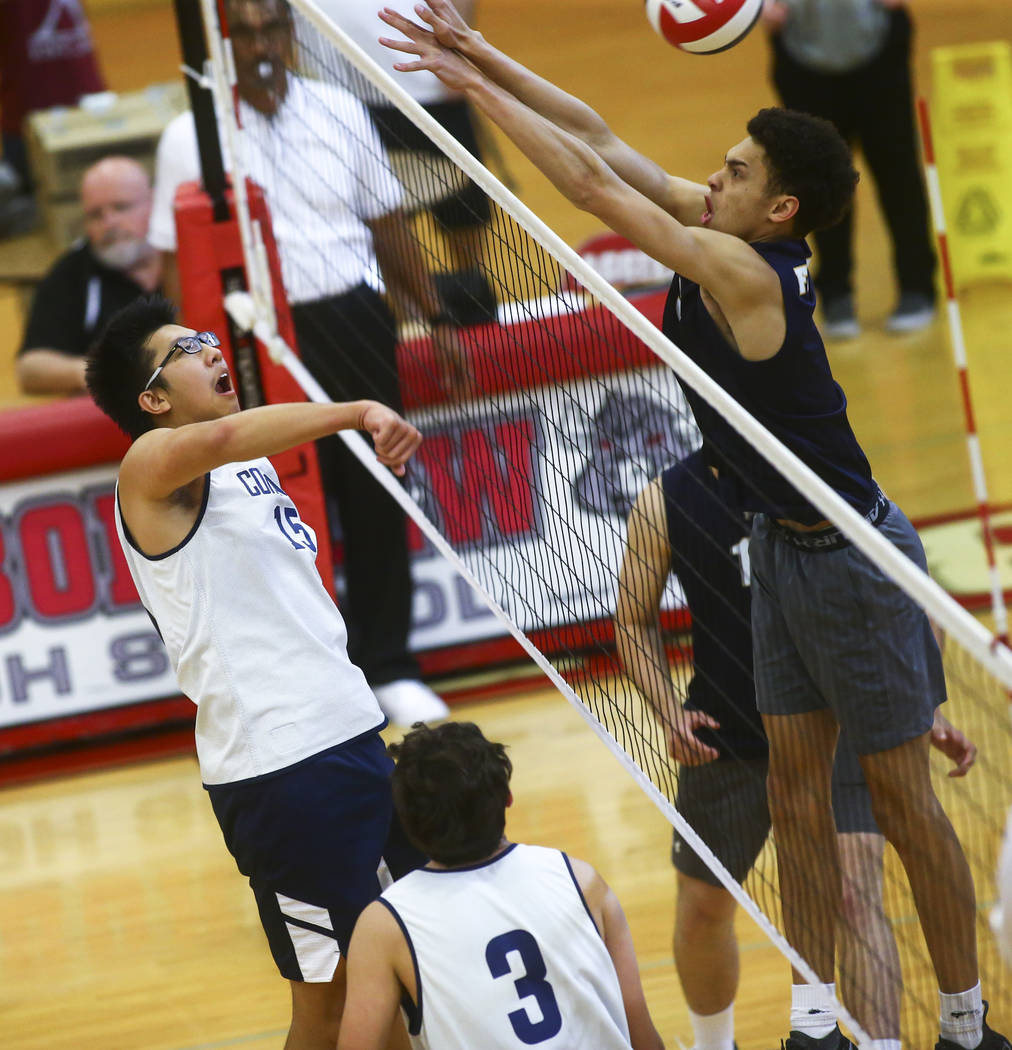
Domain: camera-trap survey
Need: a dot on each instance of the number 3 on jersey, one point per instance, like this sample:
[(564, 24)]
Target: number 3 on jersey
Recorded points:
[(530, 984), (292, 529)]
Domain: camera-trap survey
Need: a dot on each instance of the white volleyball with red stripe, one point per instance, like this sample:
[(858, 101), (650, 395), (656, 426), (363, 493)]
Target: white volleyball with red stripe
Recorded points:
[(703, 27)]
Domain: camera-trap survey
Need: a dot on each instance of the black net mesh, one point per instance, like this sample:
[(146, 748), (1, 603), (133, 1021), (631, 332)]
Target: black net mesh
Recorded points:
[(533, 476)]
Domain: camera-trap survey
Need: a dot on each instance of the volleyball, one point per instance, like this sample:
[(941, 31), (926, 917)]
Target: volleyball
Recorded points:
[(703, 27)]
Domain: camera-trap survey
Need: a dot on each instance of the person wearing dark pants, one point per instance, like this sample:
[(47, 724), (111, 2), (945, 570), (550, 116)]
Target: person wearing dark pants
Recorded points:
[(849, 61), (459, 207), (377, 574)]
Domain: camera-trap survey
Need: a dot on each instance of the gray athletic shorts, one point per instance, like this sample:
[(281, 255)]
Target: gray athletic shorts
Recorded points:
[(830, 630), (725, 804)]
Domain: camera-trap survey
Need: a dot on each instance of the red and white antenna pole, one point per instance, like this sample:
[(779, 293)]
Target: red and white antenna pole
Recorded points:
[(959, 353)]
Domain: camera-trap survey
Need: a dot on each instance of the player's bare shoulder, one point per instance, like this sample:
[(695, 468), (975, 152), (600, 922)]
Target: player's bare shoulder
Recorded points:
[(139, 463), (143, 484), (592, 886)]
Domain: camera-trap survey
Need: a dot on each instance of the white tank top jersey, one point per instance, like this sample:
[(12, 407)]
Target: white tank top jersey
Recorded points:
[(254, 638), (507, 956)]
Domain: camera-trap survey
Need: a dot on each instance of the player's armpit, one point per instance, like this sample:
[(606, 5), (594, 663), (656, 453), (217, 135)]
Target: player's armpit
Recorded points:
[(746, 297)]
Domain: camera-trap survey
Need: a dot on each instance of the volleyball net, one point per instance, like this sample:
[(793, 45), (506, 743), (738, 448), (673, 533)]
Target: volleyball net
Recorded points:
[(548, 404)]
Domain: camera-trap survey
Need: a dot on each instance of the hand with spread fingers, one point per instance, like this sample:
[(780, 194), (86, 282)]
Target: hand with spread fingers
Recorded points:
[(452, 68)]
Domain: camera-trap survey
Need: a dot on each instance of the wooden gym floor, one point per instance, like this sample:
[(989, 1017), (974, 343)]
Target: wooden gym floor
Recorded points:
[(123, 923)]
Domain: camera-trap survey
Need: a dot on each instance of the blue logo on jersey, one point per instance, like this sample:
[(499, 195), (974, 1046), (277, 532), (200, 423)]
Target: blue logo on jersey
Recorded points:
[(257, 483)]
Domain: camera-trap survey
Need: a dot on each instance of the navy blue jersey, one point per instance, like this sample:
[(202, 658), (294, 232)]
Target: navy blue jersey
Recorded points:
[(793, 394), (706, 528)]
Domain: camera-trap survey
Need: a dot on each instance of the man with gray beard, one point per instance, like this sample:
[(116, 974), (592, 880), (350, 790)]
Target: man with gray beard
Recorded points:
[(101, 273)]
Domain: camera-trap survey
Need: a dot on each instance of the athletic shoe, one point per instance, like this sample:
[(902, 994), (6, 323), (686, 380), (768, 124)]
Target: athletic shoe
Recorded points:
[(992, 1040), (914, 311), (407, 701), (836, 1040), (839, 321)]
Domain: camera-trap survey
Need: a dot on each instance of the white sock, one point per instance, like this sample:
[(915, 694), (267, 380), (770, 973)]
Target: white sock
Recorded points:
[(713, 1031), (813, 1009), (962, 1017), (881, 1044)]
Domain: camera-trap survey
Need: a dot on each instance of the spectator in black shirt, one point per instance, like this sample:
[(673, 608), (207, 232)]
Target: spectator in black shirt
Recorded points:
[(105, 271)]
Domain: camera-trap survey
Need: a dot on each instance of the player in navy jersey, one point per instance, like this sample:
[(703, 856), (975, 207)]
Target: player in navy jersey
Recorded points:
[(689, 522), (493, 944), (836, 643), (287, 727)]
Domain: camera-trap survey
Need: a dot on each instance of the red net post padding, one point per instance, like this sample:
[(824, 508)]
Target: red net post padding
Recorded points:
[(208, 251)]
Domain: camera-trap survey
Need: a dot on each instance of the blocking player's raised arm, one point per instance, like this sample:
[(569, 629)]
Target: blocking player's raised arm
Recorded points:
[(722, 263), (680, 197)]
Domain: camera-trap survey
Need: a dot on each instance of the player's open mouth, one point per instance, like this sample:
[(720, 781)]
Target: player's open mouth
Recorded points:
[(708, 212), (224, 384)]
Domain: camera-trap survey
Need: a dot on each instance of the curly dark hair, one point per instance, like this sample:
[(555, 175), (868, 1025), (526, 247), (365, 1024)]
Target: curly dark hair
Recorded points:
[(119, 362), (451, 787), (807, 158)]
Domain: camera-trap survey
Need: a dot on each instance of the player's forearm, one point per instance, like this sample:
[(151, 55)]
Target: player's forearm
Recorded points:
[(42, 371), (573, 167), (641, 650), (270, 429), (545, 98), (402, 264), (190, 451), (681, 197)]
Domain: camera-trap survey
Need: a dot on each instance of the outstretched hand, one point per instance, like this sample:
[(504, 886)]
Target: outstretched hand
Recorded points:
[(427, 44), (394, 439), (447, 24), (683, 744)]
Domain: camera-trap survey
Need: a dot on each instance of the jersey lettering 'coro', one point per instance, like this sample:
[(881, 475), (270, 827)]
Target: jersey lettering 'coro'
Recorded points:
[(256, 483)]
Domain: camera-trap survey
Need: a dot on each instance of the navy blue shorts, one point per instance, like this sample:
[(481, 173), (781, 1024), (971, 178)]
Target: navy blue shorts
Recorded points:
[(830, 630), (313, 839)]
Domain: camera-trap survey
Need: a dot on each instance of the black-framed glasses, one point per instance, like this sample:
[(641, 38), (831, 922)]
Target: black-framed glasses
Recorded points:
[(189, 344)]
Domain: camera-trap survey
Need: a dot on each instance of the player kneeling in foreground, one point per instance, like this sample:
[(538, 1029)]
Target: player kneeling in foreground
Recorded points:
[(287, 728), (492, 944)]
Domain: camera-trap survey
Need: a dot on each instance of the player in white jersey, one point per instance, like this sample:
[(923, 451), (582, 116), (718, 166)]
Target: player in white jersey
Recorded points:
[(287, 728), (492, 944)]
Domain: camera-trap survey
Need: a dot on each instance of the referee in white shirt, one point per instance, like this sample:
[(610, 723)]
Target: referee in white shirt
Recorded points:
[(339, 228)]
